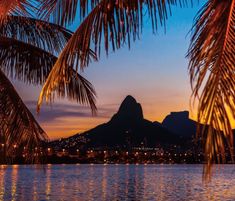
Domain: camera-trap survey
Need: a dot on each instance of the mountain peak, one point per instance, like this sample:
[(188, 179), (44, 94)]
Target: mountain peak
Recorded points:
[(129, 98), (180, 123), (129, 110), (182, 114), (127, 102)]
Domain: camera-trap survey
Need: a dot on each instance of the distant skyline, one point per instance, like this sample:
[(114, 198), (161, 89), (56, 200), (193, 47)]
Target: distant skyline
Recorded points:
[(154, 71)]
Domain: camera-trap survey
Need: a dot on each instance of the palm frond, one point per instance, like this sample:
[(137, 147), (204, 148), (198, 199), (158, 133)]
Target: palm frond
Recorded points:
[(212, 56), (75, 88), (64, 13), (16, 7), (32, 65), (18, 126), (114, 22), (25, 62), (44, 35)]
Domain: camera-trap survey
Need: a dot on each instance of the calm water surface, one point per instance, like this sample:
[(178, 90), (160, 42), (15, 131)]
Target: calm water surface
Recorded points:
[(115, 182)]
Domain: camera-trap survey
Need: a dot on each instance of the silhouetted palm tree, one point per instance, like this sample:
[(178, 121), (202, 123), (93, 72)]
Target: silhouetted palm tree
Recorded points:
[(116, 22), (27, 49)]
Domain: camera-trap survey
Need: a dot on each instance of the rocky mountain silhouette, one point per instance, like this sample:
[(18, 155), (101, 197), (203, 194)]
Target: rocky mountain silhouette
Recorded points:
[(128, 128), (180, 124), (130, 112)]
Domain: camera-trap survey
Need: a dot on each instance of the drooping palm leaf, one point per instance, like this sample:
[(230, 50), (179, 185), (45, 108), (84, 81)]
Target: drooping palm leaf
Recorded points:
[(76, 88), (25, 62), (64, 13), (16, 7), (17, 124), (114, 22), (32, 65), (212, 67), (44, 35)]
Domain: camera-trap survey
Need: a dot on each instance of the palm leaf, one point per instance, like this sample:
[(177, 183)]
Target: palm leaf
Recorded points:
[(18, 126), (16, 7), (44, 35), (64, 13), (32, 65), (25, 62), (212, 56), (113, 22), (76, 88)]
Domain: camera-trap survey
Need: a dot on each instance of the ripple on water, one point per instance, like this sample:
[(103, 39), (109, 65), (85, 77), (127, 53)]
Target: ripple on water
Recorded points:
[(115, 182)]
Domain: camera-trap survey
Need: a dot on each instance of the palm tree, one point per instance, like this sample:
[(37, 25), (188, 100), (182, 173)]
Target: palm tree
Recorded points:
[(27, 53), (116, 22)]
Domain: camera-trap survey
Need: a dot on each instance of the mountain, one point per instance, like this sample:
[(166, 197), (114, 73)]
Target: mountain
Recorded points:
[(180, 124), (130, 112), (128, 128)]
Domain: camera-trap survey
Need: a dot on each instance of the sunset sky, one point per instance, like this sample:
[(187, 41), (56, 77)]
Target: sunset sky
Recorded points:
[(154, 71)]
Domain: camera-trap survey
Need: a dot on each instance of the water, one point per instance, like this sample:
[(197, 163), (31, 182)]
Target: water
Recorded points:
[(115, 182)]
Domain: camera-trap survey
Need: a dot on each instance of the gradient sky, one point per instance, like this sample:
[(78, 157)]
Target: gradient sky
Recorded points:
[(154, 71)]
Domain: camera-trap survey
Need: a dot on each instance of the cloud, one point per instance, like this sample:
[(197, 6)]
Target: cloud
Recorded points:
[(57, 111)]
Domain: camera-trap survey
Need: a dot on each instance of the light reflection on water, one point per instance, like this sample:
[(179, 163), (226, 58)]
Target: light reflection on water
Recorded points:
[(115, 182)]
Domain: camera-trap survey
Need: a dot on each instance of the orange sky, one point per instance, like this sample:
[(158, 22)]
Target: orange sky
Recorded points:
[(64, 118)]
